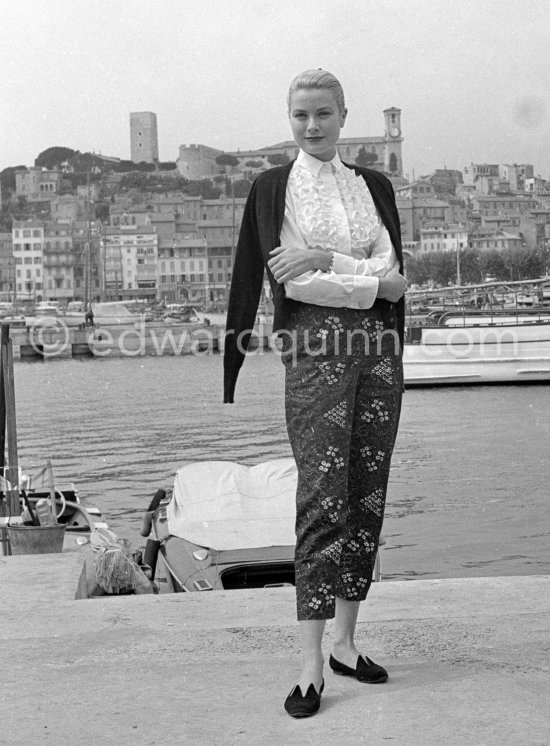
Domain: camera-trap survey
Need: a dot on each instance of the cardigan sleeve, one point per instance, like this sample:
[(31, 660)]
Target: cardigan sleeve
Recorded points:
[(244, 296)]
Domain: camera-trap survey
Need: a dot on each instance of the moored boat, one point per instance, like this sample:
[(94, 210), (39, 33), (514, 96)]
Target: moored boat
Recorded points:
[(228, 526), (496, 341), (79, 518)]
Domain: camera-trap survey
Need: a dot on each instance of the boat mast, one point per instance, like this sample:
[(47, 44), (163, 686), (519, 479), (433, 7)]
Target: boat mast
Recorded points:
[(87, 249)]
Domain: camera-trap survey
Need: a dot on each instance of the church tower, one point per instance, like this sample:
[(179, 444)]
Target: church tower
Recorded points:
[(393, 162)]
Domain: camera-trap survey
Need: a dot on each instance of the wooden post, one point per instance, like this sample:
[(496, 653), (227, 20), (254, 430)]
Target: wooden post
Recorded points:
[(11, 471), (4, 337), (51, 487)]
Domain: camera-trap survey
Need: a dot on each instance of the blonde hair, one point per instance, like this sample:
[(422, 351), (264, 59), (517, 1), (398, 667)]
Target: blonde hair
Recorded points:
[(315, 80)]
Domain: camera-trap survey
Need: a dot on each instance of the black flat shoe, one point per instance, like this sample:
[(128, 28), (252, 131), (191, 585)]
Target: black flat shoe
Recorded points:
[(299, 706), (365, 671)]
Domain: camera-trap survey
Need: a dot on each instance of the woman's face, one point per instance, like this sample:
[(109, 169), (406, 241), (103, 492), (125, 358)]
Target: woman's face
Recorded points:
[(316, 122)]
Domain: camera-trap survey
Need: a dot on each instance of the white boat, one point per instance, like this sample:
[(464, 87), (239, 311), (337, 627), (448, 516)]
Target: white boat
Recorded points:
[(114, 314), (469, 346), (210, 318), (227, 526)]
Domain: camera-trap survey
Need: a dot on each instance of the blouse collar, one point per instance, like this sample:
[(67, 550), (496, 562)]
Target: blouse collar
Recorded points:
[(315, 165)]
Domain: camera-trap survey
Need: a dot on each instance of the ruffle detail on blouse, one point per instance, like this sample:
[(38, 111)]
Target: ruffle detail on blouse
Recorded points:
[(316, 219)]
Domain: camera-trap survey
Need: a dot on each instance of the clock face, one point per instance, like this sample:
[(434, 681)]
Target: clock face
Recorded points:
[(394, 131)]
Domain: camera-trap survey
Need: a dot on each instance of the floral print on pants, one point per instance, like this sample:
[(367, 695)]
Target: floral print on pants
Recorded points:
[(343, 400)]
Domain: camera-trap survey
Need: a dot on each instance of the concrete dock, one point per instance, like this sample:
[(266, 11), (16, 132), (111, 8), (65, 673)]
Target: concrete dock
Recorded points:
[(468, 659)]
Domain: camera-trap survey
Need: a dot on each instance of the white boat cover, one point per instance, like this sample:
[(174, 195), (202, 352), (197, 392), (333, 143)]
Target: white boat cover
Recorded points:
[(224, 505)]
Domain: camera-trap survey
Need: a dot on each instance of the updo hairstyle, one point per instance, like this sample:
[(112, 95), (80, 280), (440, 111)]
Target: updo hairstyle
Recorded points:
[(315, 80)]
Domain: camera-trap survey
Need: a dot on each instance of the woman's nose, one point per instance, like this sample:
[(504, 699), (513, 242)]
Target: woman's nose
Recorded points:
[(312, 124)]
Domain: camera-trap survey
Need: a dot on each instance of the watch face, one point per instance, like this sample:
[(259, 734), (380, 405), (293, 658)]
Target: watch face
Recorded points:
[(394, 131)]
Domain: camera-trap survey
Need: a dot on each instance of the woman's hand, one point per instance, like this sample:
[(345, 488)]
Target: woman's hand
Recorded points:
[(287, 263), (392, 286)]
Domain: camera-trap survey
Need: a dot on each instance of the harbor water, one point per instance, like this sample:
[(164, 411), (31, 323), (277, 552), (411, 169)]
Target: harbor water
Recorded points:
[(469, 488)]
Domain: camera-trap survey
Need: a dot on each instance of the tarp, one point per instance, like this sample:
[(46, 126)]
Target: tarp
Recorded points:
[(224, 505)]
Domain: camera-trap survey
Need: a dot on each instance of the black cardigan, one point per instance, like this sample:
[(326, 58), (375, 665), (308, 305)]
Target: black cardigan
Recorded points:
[(259, 234)]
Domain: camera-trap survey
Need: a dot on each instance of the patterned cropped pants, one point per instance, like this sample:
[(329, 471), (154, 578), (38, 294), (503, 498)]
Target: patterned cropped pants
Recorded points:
[(343, 399)]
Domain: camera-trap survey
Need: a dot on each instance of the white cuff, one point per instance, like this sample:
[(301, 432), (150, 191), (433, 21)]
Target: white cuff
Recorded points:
[(344, 264)]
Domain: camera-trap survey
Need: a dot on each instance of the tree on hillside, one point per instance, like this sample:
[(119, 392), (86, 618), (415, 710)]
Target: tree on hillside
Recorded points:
[(364, 158), (7, 178), (226, 159), (278, 159), (202, 188), (52, 158), (242, 188)]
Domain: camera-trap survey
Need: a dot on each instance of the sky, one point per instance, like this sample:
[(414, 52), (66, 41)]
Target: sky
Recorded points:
[(472, 77)]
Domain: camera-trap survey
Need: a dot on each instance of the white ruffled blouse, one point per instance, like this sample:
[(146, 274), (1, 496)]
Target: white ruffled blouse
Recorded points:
[(329, 207)]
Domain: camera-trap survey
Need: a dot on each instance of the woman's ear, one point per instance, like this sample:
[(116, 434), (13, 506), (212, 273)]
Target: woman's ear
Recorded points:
[(343, 116)]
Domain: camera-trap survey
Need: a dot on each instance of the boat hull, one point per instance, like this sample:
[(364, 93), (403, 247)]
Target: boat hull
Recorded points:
[(478, 354)]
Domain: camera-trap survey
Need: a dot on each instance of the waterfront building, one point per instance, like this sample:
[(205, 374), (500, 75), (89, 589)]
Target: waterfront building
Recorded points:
[(216, 230), (535, 228), (129, 259), (220, 260), (58, 261), (68, 207), (483, 239), (465, 192), (421, 188), (143, 137), (405, 210), (515, 174), (37, 184), (182, 270), (128, 215), (181, 205), (495, 204), (27, 238), (88, 192), (476, 171), (173, 203), (440, 238), (7, 268), (536, 185), (224, 208), (414, 213), (164, 224), (495, 222)]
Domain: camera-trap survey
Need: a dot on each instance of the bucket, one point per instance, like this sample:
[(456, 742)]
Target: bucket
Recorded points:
[(36, 539)]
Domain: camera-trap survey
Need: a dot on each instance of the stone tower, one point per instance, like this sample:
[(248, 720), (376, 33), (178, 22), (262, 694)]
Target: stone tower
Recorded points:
[(393, 161), (144, 144)]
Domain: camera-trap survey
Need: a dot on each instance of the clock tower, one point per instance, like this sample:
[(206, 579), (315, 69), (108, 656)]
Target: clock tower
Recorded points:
[(393, 138)]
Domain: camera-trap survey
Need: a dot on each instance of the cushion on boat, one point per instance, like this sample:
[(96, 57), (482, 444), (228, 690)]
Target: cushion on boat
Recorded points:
[(223, 505)]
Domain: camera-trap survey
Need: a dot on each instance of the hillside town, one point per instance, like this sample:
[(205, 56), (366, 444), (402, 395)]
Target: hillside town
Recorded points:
[(88, 227)]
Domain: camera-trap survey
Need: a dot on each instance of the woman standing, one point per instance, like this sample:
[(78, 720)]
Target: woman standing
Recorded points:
[(328, 235)]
